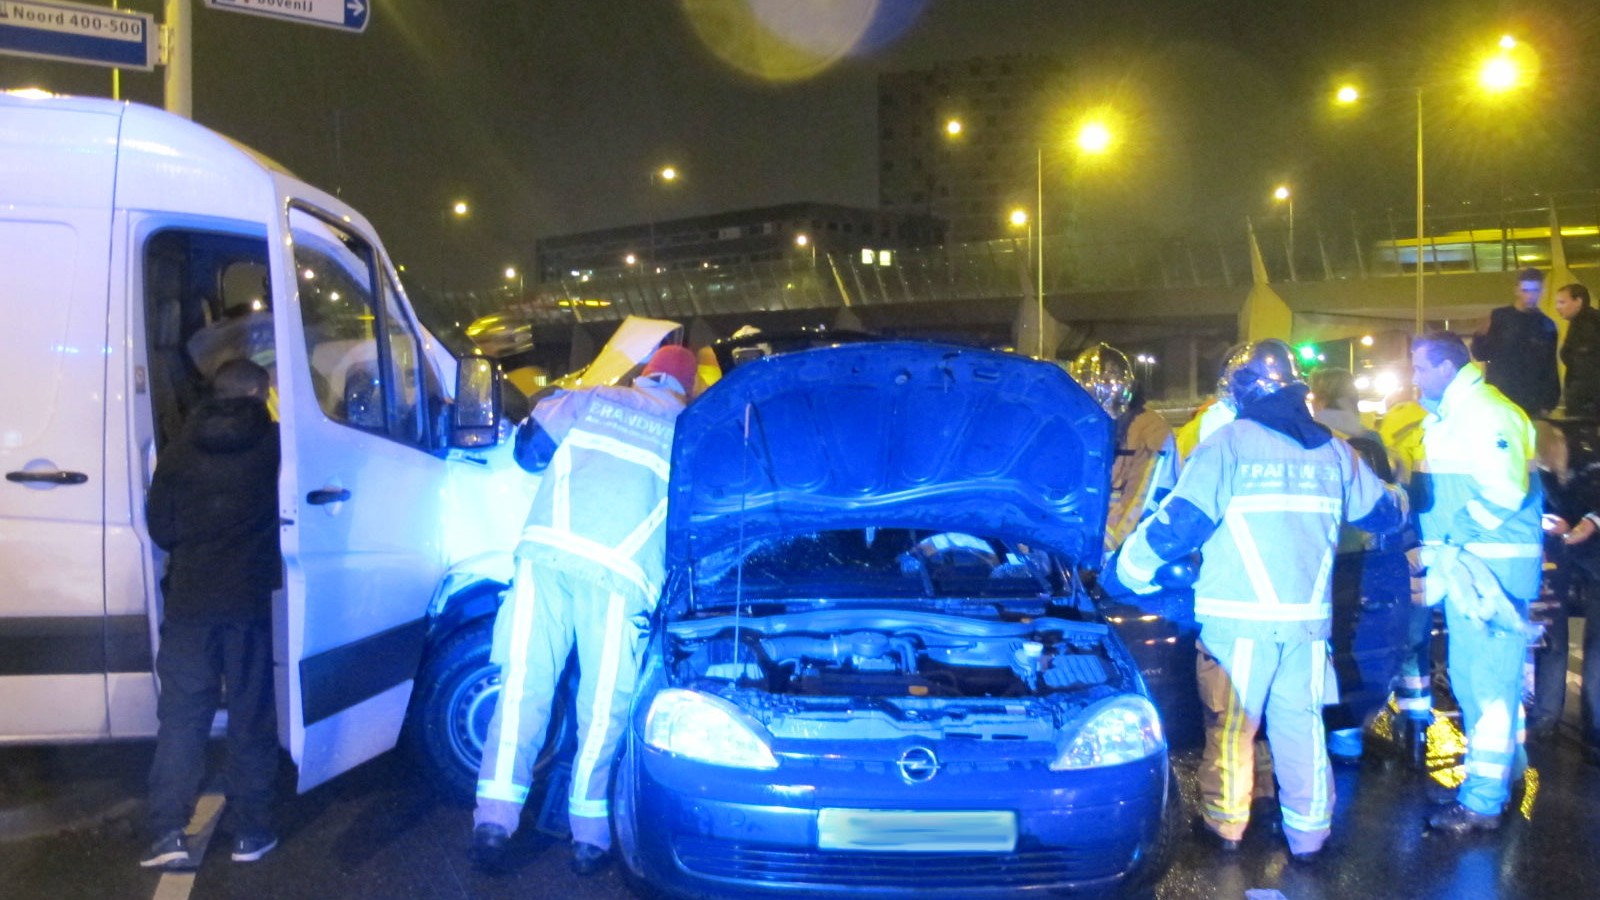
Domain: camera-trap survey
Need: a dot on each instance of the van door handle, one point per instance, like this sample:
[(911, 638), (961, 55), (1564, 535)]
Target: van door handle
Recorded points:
[(47, 477), (324, 496)]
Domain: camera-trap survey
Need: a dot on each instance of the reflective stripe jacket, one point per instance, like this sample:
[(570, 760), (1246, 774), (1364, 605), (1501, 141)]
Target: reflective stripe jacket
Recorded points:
[(1475, 488), (600, 507), (1264, 512)]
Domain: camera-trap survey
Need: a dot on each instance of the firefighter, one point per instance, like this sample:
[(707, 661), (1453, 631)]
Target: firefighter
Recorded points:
[(1478, 500), (1262, 500), (1146, 464), (589, 570)]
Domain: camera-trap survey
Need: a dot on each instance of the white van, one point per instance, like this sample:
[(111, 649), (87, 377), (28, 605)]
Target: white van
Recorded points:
[(137, 251)]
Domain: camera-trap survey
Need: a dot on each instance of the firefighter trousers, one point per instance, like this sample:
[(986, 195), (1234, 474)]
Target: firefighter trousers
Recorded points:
[(549, 611), (1486, 677), (1242, 680)]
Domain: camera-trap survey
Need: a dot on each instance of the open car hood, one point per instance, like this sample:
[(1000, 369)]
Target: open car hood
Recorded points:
[(893, 435)]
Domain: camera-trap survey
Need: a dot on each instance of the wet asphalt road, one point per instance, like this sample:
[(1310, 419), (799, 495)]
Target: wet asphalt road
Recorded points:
[(379, 832)]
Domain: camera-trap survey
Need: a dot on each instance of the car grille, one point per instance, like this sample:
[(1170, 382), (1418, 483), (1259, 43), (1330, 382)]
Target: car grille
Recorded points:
[(733, 861)]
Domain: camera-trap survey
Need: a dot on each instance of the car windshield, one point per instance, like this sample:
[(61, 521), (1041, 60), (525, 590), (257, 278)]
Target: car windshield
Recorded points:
[(877, 563)]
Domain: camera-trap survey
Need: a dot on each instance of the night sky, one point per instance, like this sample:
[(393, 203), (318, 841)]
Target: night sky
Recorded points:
[(549, 115)]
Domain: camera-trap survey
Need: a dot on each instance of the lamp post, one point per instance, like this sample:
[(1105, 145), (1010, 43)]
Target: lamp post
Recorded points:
[(803, 241), (663, 175), (1282, 194), (455, 218), (1094, 137), (514, 274), (1499, 73), (1019, 218)]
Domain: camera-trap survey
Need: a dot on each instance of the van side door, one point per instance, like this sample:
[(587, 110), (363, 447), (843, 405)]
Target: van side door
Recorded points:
[(362, 413)]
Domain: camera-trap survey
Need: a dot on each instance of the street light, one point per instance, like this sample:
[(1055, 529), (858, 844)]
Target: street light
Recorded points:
[(1019, 219), (803, 241), (514, 274), (1282, 194), (663, 175), (1501, 71), (1094, 138), (1147, 362)]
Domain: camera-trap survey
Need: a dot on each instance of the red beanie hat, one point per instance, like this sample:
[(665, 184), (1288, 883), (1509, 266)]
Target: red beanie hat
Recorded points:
[(679, 362)]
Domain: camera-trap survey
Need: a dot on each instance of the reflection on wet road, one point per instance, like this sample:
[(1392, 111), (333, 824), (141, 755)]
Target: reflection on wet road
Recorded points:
[(380, 833)]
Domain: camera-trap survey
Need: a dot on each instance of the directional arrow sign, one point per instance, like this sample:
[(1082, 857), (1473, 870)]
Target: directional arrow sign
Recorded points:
[(345, 15), (77, 33)]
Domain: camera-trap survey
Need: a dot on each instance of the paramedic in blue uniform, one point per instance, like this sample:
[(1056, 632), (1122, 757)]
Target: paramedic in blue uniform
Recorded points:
[(1262, 500), (589, 571)]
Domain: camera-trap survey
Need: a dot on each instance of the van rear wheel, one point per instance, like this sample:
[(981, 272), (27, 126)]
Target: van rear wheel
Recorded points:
[(455, 699)]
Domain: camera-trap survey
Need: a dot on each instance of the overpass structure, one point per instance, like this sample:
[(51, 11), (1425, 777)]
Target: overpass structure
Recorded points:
[(1175, 303)]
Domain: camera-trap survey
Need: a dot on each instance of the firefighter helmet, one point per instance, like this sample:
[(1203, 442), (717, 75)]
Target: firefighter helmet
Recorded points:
[(1259, 369), (1104, 372)]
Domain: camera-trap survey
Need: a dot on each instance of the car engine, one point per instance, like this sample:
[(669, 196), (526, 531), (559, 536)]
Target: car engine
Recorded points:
[(891, 654)]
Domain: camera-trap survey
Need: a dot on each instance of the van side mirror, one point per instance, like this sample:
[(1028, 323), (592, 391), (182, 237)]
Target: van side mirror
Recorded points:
[(475, 416)]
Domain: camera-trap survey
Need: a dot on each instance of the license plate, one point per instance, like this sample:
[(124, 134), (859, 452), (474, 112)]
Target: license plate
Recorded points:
[(917, 831)]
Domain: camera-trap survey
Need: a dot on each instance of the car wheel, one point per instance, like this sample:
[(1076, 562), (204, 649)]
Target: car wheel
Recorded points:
[(455, 699)]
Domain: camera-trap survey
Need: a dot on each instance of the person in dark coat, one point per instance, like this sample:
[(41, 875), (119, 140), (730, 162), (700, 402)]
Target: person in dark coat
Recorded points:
[(1519, 349), (213, 506), (1580, 352)]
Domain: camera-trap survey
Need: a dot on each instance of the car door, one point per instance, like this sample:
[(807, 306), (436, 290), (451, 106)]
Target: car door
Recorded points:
[(360, 493), (57, 171)]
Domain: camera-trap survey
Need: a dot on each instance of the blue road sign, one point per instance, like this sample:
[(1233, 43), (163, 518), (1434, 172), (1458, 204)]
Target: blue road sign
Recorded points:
[(345, 15), (76, 33)]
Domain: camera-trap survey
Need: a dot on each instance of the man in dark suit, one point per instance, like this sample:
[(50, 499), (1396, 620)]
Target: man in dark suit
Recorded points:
[(1519, 349)]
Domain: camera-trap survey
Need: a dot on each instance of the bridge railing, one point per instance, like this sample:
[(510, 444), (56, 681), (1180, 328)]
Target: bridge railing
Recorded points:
[(987, 271)]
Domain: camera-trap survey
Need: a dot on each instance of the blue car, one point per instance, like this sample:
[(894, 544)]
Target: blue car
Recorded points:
[(876, 670)]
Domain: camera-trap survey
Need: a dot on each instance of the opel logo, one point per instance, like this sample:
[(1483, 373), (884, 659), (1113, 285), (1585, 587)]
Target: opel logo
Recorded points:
[(917, 765)]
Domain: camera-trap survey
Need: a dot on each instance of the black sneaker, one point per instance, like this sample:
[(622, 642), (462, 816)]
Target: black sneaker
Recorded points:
[(588, 859), (1456, 819), (489, 848), (170, 852), (252, 847)]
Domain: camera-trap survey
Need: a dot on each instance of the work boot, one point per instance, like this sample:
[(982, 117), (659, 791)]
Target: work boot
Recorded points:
[(489, 848), (588, 859), (1305, 857), (1212, 839), (169, 852), (1440, 794), (1457, 820)]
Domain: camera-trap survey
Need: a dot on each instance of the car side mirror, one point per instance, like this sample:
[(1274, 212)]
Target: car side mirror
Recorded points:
[(475, 416)]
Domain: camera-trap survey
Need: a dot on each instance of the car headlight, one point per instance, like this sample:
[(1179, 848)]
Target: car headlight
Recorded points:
[(708, 729), (1118, 730)]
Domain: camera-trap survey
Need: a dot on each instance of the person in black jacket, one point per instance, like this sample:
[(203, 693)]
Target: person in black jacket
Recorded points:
[(1519, 349), (1580, 352), (213, 506)]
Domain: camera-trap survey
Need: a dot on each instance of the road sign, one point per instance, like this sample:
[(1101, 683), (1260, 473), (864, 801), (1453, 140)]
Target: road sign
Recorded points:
[(77, 33), (345, 15)]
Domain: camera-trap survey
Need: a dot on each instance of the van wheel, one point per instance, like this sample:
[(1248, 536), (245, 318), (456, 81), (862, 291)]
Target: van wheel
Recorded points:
[(455, 699)]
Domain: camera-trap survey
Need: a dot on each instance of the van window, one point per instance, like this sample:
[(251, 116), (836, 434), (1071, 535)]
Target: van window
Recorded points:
[(207, 301), (384, 386)]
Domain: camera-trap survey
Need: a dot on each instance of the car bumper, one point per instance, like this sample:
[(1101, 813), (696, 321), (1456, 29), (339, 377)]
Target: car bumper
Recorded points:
[(710, 830)]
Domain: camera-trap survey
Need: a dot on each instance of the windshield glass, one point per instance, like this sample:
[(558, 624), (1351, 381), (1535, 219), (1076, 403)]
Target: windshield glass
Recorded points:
[(875, 563)]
